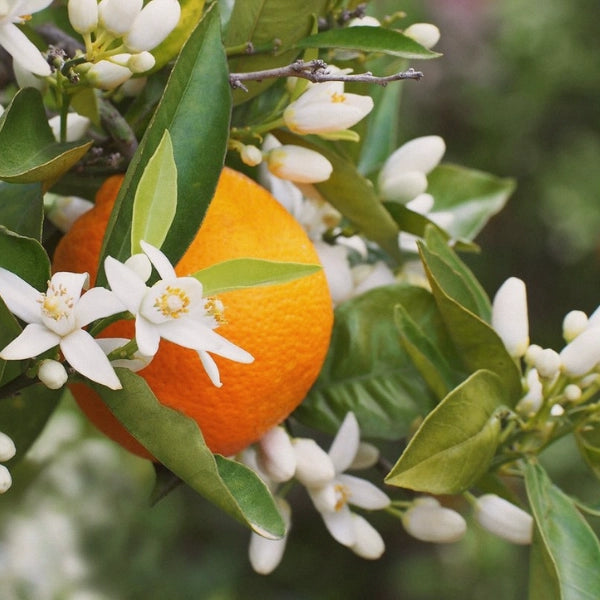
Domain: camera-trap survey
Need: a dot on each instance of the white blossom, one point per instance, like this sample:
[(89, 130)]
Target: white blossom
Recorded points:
[(426, 34), (14, 41), (265, 554), (77, 126), (504, 519), (532, 400), (56, 318), (509, 316), (582, 354), (7, 447), (5, 479), (547, 363), (63, 211), (276, 455), (152, 25), (117, 16), (107, 75), (174, 309), (297, 163), (141, 62), (52, 374), (251, 155), (428, 521), (574, 323), (83, 15)]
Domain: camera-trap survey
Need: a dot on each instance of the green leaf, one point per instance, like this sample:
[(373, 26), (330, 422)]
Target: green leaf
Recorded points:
[(588, 442), (369, 39), (24, 415), (543, 581), (9, 330), (24, 257), (22, 208), (426, 355), (353, 195), (155, 201), (570, 545), (263, 24), (195, 109), (240, 273), (471, 196), (456, 442), (29, 151), (367, 370), (176, 441)]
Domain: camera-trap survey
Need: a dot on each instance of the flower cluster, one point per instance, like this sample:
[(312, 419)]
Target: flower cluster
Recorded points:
[(173, 308), (7, 451), (278, 458), (119, 35)]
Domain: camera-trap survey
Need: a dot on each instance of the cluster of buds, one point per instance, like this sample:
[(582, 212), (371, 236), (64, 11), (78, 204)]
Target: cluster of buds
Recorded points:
[(427, 520), (119, 35), (7, 451), (279, 458)]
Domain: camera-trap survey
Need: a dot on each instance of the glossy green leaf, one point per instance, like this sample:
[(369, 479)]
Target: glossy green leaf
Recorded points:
[(155, 201), (570, 544), (353, 195), (29, 150), (456, 442), (9, 330), (367, 370), (177, 442), (588, 442), (426, 355), (471, 196), (195, 108), (543, 581), (369, 39), (25, 257), (22, 208), (24, 415), (410, 221), (262, 22), (240, 273)]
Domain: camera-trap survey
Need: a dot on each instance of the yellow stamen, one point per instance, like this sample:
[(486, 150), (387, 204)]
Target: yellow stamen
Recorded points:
[(173, 303), (338, 98), (342, 494), (56, 303), (214, 307)]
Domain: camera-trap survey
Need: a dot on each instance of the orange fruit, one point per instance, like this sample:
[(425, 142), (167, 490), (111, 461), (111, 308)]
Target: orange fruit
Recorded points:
[(286, 327)]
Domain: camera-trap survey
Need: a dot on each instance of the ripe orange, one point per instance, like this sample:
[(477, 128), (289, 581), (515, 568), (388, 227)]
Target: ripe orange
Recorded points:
[(286, 327)]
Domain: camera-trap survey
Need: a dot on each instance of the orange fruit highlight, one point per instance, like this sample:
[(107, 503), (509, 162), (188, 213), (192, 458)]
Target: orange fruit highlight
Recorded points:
[(286, 327)]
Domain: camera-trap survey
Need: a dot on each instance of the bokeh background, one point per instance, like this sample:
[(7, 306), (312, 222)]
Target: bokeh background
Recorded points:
[(516, 94)]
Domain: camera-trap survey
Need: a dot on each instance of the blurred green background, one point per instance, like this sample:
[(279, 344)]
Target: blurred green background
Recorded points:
[(517, 94)]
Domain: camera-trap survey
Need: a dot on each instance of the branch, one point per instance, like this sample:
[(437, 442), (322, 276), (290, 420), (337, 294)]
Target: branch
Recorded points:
[(316, 71)]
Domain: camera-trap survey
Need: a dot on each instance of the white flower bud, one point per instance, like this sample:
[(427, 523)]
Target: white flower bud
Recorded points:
[(402, 187), (426, 34), (366, 456), (107, 75), (132, 87), (582, 354), (532, 353), (428, 521), (117, 16), (573, 324), (5, 479), (141, 62), (547, 363), (313, 465), (504, 519), (7, 447), (572, 392), (276, 456), (365, 21), (83, 15), (63, 211), (367, 541), (154, 23), (77, 125), (532, 401), (509, 316), (265, 554), (251, 155), (52, 374), (296, 163)]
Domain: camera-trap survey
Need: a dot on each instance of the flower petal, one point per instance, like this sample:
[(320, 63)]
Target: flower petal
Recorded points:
[(95, 304), (210, 366), (313, 465), (368, 543), (339, 525), (363, 493), (21, 298), (146, 336), (23, 51), (125, 283), (161, 263), (86, 357), (33, 340), (266, 554), (345, 445)]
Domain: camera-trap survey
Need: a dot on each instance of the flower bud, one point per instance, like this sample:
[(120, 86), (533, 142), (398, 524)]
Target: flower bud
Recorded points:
[(299, 164), (547, 363), (532, 401), (83, 15), (63, 211), (152, 25), (572, 392), (334, 260), (117, 16), (366, 456), (367, 541), (265, 554), (7, 447), (365, 21), (428, 521), (504, 519), (107, 75), (313, 465), (52, 374), (532, 353), (5, 479), (132, 87), (574, 323), (276, 456), (251, 155), (141, 62), (426, 34), (509, 316), (582, 354), (77, 125), (402, 187)]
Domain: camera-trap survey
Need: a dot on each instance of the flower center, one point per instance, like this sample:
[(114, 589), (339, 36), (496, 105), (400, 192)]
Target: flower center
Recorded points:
[(56, 302), (338, 98), (214, 307), (342, 495), (173, 302)]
